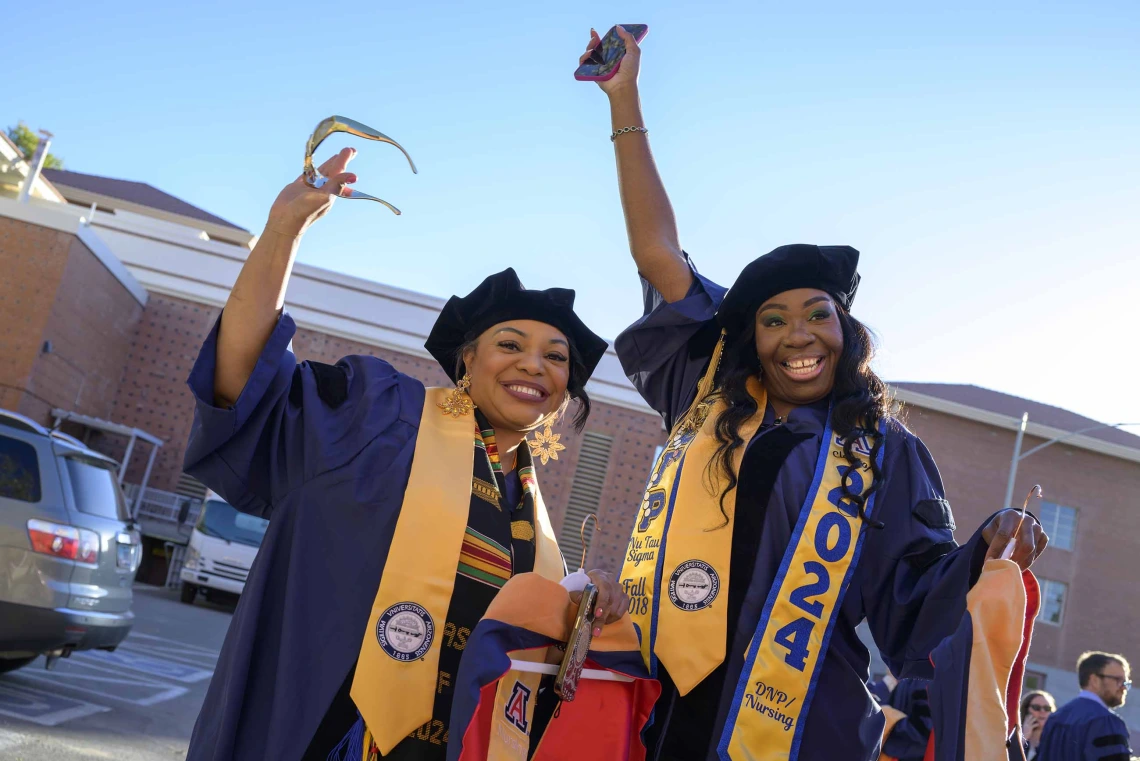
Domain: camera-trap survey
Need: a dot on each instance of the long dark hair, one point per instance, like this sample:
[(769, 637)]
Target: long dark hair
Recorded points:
[(860, 402), (575, 385)]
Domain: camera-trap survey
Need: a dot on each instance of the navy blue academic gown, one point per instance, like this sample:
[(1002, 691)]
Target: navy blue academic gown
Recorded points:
[(329, 468), (909, 737), (880, 691), (910, 584), (1084, 730)]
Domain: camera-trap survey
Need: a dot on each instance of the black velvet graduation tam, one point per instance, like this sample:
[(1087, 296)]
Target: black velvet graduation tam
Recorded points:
[(831, 269), (502, 297)]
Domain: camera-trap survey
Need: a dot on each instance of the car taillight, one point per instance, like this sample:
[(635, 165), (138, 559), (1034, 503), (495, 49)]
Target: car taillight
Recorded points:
[(129, 552), (64, 541)]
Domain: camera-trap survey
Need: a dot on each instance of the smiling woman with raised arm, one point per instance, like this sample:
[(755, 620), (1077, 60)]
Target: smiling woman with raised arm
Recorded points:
[(789, 504), (396, 512)]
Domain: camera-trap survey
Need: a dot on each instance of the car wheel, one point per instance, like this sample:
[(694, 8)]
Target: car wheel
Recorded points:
[(11, 664), (189, 592)]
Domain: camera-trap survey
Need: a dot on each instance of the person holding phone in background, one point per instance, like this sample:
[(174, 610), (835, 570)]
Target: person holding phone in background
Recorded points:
[(789, 503), (1036, 707)]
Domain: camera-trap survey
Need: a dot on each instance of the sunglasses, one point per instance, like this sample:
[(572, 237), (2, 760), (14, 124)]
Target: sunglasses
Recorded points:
[(1125, 683), (1040, 708)]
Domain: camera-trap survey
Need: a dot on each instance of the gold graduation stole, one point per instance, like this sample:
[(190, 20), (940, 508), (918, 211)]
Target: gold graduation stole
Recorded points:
[(396, 676), (688, 633), (677, 551)]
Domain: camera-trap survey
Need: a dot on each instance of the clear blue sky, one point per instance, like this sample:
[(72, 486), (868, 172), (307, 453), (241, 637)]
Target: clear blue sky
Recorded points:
[(984, 157)]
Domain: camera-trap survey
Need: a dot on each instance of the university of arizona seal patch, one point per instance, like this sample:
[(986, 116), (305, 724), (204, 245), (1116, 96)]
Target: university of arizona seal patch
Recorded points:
[(405, 631), (694, 585)]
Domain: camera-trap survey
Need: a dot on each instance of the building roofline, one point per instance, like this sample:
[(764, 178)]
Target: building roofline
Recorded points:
[(1010, 423), (64, 218), (110, 186), (350, 307), (229, 234)]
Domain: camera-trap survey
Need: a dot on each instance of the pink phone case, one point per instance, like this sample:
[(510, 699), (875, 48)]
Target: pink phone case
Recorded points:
[(581, 77)]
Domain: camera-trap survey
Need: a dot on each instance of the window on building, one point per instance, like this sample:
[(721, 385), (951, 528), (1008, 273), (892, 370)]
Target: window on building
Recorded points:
[(1060, 523), (19, 470), (1034, 680), (1052, 601), (585, 494)]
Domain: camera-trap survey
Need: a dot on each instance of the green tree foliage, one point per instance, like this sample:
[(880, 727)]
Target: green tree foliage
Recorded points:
[(26, 141)]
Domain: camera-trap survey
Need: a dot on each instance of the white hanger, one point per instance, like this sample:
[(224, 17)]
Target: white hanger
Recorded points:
[(578, 580)]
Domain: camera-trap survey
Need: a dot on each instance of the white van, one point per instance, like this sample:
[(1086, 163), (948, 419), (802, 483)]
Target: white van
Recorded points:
[(221, 551)]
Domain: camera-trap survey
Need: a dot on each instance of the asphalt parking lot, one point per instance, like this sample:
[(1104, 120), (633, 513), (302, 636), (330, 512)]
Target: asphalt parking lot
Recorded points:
[(135, 704)]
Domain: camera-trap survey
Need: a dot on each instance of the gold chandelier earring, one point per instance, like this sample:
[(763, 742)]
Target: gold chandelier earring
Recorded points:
[(458, 403)]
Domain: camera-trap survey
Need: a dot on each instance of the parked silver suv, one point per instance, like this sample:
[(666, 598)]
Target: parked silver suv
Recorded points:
[(68, 552)]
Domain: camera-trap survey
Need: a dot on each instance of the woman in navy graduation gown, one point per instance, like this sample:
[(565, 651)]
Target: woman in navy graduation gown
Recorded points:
[(783, 334), (365, 582)]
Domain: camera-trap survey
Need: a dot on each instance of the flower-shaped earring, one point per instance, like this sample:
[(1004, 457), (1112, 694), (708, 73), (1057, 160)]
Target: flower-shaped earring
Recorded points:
[(545, 445)]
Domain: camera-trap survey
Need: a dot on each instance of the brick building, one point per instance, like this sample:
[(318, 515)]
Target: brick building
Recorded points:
[(124, 329), (109, 287)]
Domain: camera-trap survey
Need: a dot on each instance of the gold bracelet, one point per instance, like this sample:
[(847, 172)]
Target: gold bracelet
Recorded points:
[(624, 130)]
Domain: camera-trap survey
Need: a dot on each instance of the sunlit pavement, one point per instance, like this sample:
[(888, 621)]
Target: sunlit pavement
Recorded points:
[(135, 704)]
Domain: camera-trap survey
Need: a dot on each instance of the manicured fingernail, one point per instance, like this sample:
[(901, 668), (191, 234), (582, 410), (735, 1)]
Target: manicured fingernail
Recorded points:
[(599, 612), (597, 630)]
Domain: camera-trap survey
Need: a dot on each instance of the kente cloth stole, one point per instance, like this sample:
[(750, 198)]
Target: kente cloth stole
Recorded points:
[(676, 574), (436, 548)]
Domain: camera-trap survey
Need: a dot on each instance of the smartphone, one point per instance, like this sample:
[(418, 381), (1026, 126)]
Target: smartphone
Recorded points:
[(604, 62), (566, 683)]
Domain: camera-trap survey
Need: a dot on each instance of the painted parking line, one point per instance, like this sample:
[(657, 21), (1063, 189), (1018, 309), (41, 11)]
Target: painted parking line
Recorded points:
[(41, 707), (144, 648), (179, 672), (174, 644), (144, 671), (107, 682)]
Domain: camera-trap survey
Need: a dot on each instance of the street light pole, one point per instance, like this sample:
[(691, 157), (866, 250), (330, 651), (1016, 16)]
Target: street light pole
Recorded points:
[(1018, 456), (1016, 459)]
